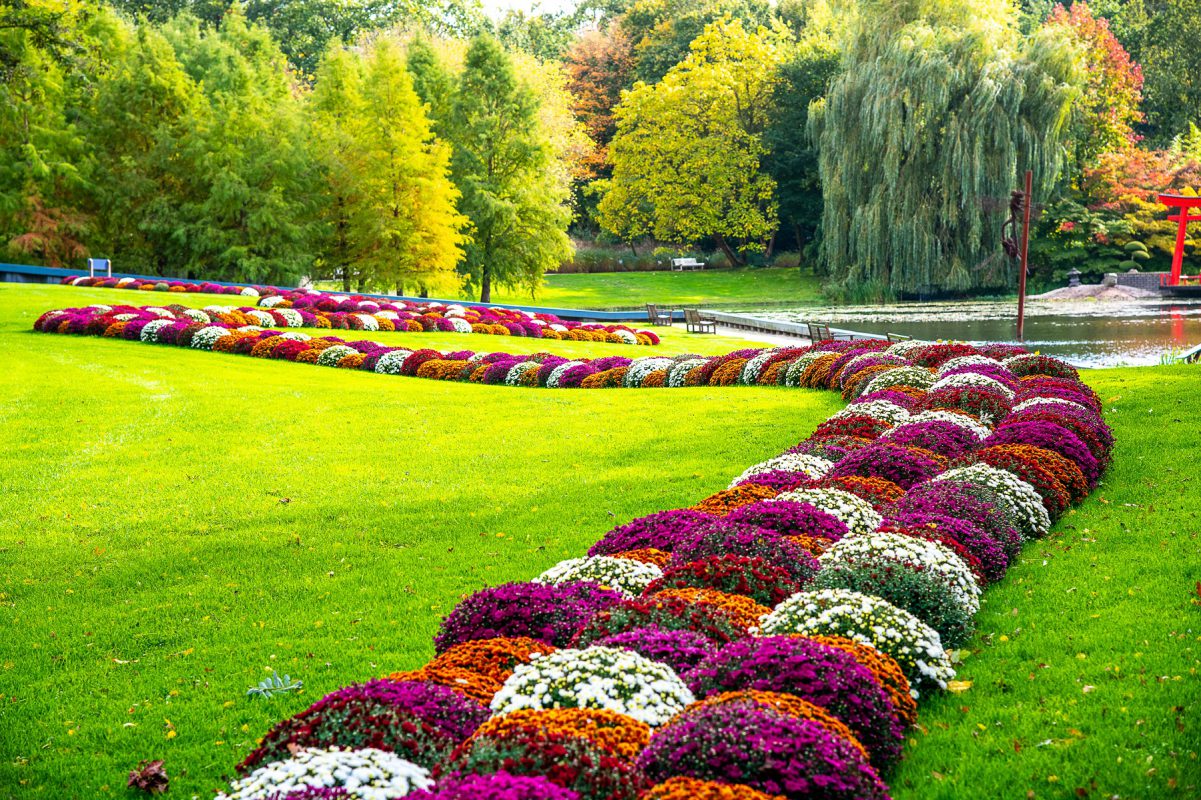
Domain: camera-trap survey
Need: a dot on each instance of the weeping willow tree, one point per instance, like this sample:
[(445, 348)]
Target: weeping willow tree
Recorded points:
[(943, 104)]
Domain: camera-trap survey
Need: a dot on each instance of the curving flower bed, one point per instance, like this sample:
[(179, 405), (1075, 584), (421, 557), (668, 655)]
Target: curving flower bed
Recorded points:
[(403, 316), (771, 640)]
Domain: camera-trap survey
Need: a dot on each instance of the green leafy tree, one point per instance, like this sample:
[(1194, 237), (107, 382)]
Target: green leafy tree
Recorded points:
[(503, 166), (1166, 46), (688, 154), (923, 137), (662, 31), (392, 202)]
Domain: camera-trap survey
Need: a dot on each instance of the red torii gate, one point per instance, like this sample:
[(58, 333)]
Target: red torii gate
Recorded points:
[(1185, 204)]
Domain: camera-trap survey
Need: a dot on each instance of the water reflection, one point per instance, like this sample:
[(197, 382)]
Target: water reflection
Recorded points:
[(1086, 333)]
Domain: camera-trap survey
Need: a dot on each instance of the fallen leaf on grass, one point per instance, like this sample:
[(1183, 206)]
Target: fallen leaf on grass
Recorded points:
[(958, 686)]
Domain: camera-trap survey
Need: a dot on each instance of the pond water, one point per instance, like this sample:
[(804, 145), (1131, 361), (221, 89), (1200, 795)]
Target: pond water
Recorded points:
[(1085, 333)]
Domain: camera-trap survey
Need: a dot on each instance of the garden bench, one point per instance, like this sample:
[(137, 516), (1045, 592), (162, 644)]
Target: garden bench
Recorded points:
[(697, 324), (656, 316), (898, 337), (682, 264)]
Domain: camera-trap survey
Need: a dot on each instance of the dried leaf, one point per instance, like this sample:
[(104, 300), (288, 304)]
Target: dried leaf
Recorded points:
[(150, 777)]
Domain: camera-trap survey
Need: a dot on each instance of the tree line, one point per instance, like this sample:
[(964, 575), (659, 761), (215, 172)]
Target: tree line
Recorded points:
[(418, 145)]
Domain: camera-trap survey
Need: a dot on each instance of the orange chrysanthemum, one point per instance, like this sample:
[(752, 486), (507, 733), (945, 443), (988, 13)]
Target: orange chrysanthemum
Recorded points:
[(492, 658), (685, 788), (463, 681), (744, 611), (656, 379), (621, 735), (815, 545), (725, 501), (727, 374), (647, 555)]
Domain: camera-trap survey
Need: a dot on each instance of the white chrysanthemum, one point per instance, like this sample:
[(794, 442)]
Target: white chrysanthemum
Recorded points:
[(554, 326), (460, 325), (369, 322), (249, 292), (206, 337), (292, 317), (330, 356), (968, 361), (295, 336), (917, 377), (1035, 402), (853, 511), (99, 308), (159, 312), (370, 306), (123, 282), (792, 376), (964, 379), (390, 363), (388, 315), (962, 420), (196, 315), (272, 301), (513, 376), (915, 646), (124, 317), (80, 280), (250, 328), (641, 367), (754, 366), (261, 317), (1022, 500), (890, 412), (598, 677), (620, 574), (365, 774), (455, 311), (678, 372), (627, 337), (929, 556), (903, 348), (552, 380), (848, 369), (808, 465), (149, 333)]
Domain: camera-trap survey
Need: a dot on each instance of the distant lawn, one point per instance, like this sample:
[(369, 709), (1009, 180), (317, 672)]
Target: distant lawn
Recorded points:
[(731, 288), (173, 523)]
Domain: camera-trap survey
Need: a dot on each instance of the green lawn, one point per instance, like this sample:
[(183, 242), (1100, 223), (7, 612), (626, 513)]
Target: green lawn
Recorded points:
[(175, 523), (730, 288)]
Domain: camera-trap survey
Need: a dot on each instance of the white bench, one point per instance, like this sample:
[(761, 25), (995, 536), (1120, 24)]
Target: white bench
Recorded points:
[(682, 264)]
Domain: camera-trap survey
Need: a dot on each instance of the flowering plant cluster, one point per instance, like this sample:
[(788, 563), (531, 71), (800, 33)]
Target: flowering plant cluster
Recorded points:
[(165, 285), (770, 641), (365, 774)]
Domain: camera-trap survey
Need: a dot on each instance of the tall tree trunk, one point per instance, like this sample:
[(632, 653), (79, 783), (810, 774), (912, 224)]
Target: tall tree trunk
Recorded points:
[(346, 279), (486, 286), (796, 235), (729, 251), (400, 289), (771, 245), (425, 292), (633, 250)]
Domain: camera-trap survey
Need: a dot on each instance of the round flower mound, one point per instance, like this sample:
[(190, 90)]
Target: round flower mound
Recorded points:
[(879, 492), (1032, 364), (763, 749), (1062, 469), (757, 578), (464, 681), (550, 614), (808, 466), (917, 377), (492, 658), (884, 668), (854, 512), (1053, 437), (961, 501), (570, 762), (681, 650), (981, 551), (727, 538), (902, 465), (495, 786), (786, 704), (682, 787), (661, 531), (825, 676), (647, 555), (1023, 502), (722, 503), (622, 575), (944, 438), (891, 630), (790, 519), (665, 613), (832, 447), (960, 418), (877, 409), (857, 425), (743, 610), (776, 479), (364, 774), (617, 733), (1054, 495), (598, 677), (905, 575), (420, 722)]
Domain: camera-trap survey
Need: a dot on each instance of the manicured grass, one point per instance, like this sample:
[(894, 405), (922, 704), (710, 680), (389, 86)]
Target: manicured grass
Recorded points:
[(174, 523), (730, 288)]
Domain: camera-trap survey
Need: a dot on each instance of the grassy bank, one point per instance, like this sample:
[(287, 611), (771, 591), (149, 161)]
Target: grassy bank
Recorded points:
[(175, 523)]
